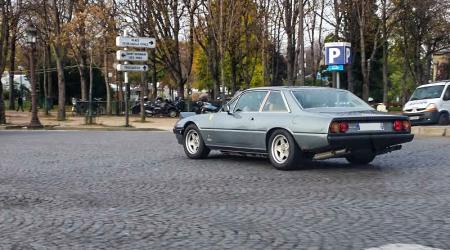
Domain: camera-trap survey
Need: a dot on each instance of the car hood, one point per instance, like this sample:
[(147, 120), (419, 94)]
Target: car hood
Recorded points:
[(420, 104), (346, 113)]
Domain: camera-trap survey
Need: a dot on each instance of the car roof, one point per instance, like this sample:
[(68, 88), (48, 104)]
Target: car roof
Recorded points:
[(289, 88), (435, 84)]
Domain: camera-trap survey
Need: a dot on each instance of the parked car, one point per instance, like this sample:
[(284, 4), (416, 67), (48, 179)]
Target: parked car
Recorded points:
[(293, 125), (429, 104)]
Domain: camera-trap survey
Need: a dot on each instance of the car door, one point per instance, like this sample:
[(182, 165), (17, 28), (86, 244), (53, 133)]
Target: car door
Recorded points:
[(237, 128)]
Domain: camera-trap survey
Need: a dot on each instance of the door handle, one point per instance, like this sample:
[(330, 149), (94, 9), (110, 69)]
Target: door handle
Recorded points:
[(252, 119)]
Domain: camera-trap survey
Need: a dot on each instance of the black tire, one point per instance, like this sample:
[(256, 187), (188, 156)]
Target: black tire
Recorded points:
[(173, 113), (443, 119), (361, 157), (281, 143), (194, 149), (148, 114)]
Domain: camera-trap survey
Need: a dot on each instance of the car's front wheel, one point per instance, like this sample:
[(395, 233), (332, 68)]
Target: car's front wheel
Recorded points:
[(361, 157), (284, 153), (193, 145)]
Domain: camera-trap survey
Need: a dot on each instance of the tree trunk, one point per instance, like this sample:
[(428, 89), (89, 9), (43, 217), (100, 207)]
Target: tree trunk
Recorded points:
[(61, 84), (234, 69), (2, 106), (82, 72), (49, 74), (212, 59), (45, 79), (154, 77), (364, 68), (12, 68), (301, 45), (289, 26), (4, 36), (108, 88), (385, 53)]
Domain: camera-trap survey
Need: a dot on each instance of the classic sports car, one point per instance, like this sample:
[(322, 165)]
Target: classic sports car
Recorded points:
[(295, 124)]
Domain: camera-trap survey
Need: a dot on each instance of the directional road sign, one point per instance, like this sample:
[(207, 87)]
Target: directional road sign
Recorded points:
[(124, 55), (136, 42), (131, 67)]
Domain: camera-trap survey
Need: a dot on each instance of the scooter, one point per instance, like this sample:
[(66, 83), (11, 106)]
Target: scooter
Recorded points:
[(161, 108)]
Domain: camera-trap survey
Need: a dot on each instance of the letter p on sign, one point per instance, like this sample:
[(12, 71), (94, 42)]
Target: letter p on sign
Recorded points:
[(334, 54)]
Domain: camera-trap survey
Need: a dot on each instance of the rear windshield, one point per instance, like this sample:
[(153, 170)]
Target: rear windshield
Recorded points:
[(328, 98), (427, 92)]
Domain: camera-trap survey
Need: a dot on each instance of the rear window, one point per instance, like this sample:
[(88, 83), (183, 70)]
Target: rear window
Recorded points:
[(328, 98), (429, 92)]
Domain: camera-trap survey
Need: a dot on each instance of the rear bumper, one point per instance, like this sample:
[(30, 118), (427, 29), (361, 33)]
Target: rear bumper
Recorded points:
[(376, 143), (420, 118)]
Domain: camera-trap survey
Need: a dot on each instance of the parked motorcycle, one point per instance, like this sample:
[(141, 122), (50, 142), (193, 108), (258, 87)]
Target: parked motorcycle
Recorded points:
[(202, 107), (164, 107)]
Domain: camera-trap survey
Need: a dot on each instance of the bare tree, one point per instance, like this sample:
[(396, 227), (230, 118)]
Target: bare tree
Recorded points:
[(56, 14)]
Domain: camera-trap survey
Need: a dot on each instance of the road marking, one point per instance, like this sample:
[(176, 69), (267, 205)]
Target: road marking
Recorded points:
[(398, 246)]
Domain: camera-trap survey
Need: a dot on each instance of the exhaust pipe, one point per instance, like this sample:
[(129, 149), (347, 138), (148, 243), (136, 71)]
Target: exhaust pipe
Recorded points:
[(330, 154)]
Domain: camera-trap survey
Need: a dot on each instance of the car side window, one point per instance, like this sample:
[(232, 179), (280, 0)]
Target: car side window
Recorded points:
[(447, 94), (250, 101), (275, 103)]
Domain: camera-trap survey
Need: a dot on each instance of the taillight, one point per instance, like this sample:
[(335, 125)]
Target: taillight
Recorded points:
[(398, 125), (343, 127), (406, 125), (338, 127), (401, 125)]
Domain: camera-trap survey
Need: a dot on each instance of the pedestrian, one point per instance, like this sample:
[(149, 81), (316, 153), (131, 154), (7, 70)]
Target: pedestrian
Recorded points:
[(19, 103)]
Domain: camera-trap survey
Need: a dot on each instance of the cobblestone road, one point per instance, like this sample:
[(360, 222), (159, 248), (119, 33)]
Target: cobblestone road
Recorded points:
[(137, 190)]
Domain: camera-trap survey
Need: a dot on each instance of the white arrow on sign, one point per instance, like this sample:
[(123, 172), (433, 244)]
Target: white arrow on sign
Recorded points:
[(136, 42), (125, 55), (131, 67)]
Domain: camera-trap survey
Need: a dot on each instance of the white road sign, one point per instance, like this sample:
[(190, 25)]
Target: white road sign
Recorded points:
[(131, 67), (124, 55), (136, 42)]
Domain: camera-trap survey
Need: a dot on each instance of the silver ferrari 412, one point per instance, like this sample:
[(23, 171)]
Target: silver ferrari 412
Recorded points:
[(294, 124)]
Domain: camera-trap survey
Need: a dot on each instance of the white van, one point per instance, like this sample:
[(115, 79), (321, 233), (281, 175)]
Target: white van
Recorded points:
[(429, 104)]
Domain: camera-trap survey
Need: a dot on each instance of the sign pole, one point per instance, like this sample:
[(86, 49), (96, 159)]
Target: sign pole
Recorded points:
[(338, 80), (142, 95), (127, 89)]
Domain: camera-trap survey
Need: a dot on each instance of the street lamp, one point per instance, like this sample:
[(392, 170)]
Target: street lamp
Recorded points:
[(31, 40)]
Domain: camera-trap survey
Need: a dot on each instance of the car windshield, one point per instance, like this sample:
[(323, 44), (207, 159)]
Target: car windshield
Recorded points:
[(427, 92), (328, 98)]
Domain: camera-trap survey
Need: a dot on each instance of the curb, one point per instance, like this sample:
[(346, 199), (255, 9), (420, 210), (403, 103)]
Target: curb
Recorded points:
[(431, 131), (49, 128)]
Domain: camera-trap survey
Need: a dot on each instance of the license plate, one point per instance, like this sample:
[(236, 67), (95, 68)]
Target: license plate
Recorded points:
[(378, 126), (414, 117)]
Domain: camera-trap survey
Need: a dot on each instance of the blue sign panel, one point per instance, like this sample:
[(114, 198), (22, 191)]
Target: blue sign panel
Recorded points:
[(338, 53), (335, 68)]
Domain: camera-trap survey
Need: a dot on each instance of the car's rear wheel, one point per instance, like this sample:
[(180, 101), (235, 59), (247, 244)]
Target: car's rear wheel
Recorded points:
[(284, 154), (361, 157), (194, 147), (443, 119)]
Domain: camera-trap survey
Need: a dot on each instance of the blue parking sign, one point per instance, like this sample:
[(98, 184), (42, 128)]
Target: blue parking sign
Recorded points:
[(338, 53)]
